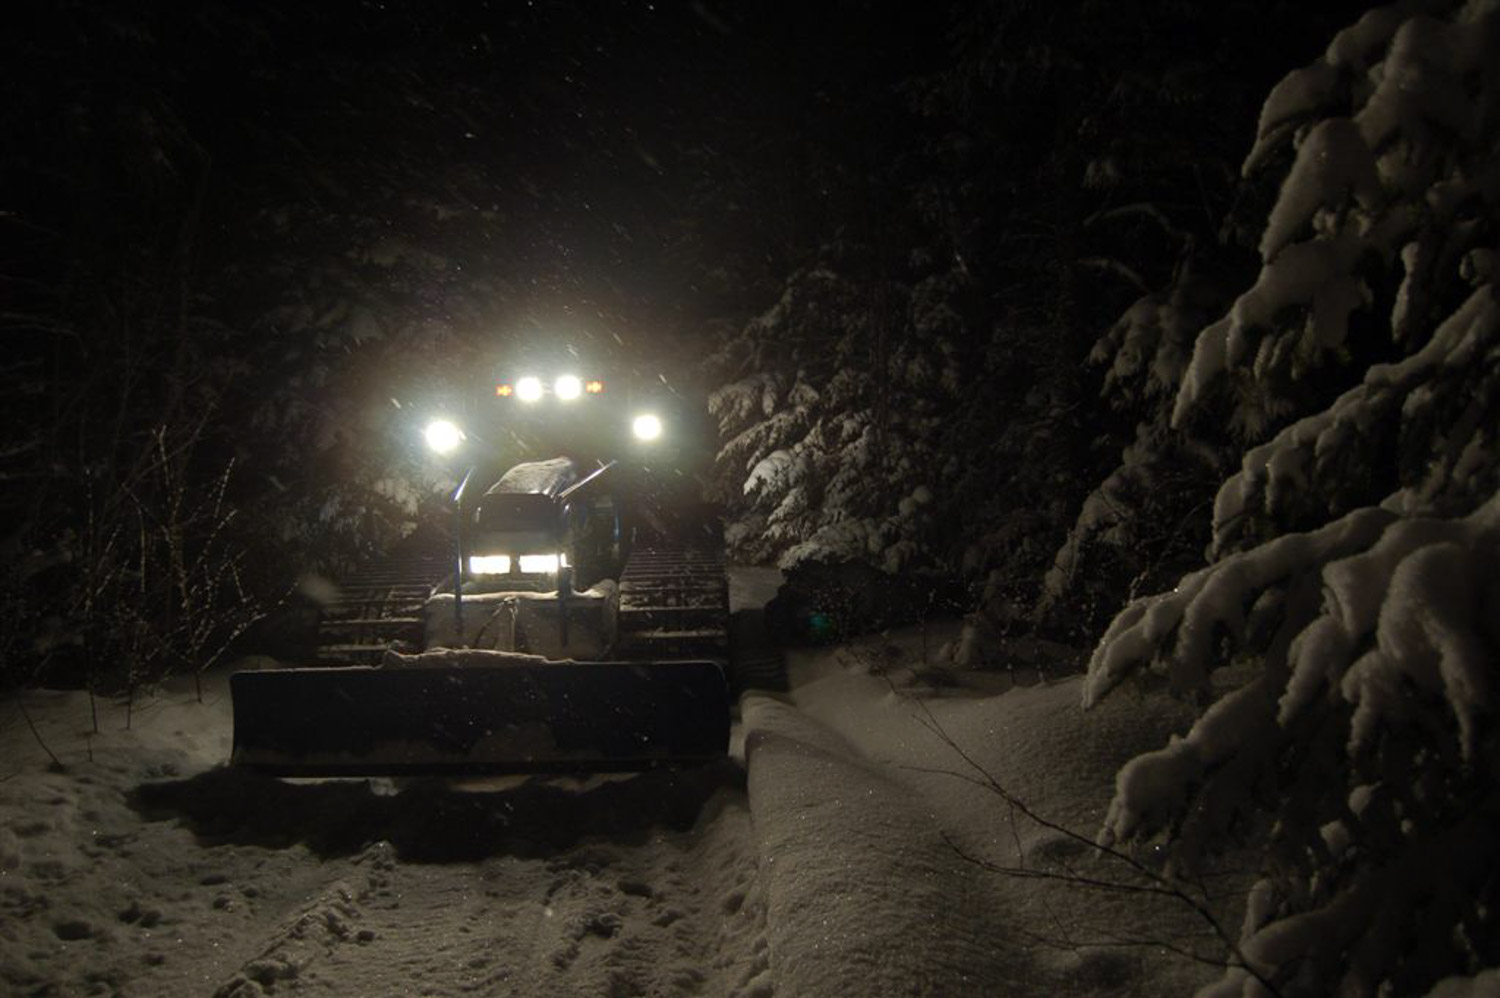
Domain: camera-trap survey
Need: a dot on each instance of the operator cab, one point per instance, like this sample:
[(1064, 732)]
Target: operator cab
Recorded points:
[(545, 523)]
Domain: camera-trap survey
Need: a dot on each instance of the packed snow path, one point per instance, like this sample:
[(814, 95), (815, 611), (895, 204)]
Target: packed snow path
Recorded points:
[(834, 854), (531, 897), (147, 868), (135, 875)]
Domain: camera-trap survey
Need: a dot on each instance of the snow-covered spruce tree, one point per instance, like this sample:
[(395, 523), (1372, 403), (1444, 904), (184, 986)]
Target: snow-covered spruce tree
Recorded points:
[(349, 355), (1136, 529), (1130, 187), (831, 420), (1344, 637)]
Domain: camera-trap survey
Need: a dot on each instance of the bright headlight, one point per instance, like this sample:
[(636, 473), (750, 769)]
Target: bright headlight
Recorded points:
[(538, 564), (489, 564), (567, 387), (529, 389), (646, 427), (443, 436)]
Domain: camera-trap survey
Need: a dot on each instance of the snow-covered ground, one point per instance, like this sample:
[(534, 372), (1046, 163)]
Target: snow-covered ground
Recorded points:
[(149, 869), (847, 848)]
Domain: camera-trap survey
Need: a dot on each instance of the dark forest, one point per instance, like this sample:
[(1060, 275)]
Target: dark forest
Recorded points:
[(1164, 331)]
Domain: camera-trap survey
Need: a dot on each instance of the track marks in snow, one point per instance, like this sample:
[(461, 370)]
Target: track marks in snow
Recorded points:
[(155, 871), (741, 952), (674, 914), (98, 897), (329, 921)]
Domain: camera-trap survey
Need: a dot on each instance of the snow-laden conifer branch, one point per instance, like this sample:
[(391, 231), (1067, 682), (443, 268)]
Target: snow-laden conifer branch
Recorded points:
[(1343, 637), (829, 449)]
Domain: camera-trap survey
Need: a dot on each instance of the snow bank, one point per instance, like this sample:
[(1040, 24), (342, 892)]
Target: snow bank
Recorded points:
[(863, 895), (869, 788)]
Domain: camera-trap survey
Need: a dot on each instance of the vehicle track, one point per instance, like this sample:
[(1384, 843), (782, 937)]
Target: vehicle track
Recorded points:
[(677, 914), (377, 609), (674, 603)]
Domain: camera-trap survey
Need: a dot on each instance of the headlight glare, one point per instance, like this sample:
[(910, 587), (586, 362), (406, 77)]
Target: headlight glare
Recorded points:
[(646, 427), (529, 389), (443, 436), (489, 564), (540, 564), (567, 387)]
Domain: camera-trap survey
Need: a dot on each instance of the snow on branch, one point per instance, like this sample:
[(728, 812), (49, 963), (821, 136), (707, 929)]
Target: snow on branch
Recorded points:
[(1332, 164), (1176, 632), (1391, 132), (1408, 595), (1143, 516), (1402, 658), (1421, 603), (1344, 638), (1302, 95), (1307, 463), (1147, 348), (830, 447)]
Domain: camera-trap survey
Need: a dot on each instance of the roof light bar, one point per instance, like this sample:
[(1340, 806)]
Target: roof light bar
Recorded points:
[(567, 388)]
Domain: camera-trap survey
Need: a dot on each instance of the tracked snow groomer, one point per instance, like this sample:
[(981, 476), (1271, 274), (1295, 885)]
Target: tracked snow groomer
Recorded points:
[(583, 626)]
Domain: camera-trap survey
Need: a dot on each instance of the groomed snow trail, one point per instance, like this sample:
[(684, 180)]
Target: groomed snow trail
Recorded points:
[(151, 870), (934, 884), (864, 896), (837, 852), (661, 916)]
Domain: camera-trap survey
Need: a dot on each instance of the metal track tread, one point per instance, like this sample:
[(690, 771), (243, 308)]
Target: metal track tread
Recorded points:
[(378, 609), (674, 604)]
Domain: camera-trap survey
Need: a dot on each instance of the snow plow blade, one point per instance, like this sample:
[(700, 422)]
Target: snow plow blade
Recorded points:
[(560, 717)]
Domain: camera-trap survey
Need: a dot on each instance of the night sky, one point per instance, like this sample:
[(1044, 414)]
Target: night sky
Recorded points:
[(623, 168), (586, 158)]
